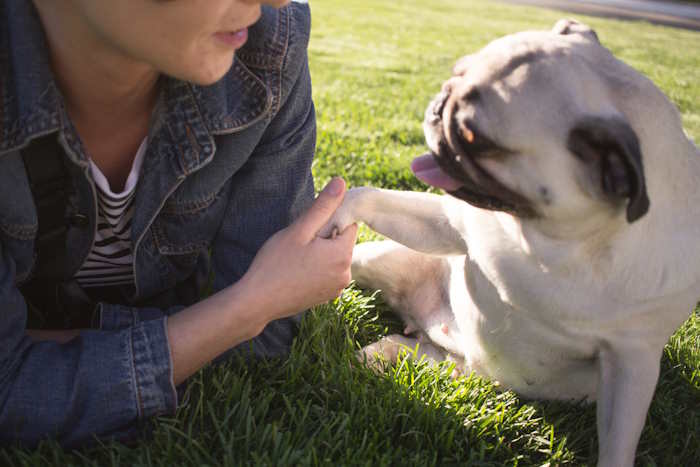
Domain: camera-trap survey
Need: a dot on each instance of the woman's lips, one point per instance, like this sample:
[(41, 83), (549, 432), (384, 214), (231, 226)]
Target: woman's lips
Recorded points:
[(234, 39)]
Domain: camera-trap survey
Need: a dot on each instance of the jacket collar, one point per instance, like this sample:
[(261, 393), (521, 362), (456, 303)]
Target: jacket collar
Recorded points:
[(31, 104), (28, 96)]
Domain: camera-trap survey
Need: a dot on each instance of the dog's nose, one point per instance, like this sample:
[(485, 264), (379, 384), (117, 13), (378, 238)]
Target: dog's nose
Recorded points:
[(452, 83), (434, 111)]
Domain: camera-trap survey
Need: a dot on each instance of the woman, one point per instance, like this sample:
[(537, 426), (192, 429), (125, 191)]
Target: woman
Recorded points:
[(186, 132)]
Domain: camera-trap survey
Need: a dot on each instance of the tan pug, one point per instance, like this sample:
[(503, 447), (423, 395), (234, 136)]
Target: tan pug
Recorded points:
[(568, 252)]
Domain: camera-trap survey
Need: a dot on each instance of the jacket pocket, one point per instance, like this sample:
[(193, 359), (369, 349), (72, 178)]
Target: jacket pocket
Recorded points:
[(184, 231)]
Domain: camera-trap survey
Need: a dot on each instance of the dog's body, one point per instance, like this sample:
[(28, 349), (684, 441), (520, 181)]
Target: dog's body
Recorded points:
[(576, 258)]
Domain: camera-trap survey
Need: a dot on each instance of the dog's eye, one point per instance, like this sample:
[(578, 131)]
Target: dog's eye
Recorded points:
[(467, 133), (472, 96)]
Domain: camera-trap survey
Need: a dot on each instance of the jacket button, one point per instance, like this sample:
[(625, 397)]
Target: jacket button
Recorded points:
[(79, 220)]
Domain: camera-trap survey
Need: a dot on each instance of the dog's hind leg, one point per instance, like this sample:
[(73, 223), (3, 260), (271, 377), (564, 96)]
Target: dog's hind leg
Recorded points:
[(415, 286), (412, 283)]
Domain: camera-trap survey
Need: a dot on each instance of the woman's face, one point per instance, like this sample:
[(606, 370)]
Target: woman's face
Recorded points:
[(193, 40)]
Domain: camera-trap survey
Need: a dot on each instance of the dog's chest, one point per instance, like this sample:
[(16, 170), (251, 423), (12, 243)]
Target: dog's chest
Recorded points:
[(514, 336), (506, 301)]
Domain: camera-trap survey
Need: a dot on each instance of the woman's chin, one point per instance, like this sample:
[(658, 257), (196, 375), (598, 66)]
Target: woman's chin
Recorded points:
[(207, 75)]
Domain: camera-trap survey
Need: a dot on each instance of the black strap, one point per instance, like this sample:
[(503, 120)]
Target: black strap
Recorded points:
[(53, 300), (50, 182)]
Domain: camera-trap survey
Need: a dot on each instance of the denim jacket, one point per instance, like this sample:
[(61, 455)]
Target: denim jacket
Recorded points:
[(227, 166)]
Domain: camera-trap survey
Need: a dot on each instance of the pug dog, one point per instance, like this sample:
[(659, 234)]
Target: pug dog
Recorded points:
[(566, 251)]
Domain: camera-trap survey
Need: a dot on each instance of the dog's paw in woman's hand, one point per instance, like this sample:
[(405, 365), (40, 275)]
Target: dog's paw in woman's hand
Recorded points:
[(341, 219)]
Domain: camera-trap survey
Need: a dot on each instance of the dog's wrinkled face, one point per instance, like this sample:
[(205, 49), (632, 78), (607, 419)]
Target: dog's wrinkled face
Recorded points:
[(527, 126)]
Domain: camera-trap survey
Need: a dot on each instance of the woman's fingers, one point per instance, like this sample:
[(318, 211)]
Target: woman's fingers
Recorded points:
[(321, 210)]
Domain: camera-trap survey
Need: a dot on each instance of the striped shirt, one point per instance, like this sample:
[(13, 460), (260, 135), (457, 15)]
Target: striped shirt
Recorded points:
[(110, 261)]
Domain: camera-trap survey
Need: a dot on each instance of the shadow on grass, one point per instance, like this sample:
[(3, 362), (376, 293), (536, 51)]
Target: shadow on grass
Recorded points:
[(322, 407), (504, 429)]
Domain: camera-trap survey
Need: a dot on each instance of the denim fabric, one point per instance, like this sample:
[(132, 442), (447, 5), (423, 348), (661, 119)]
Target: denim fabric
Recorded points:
[(227, 166)]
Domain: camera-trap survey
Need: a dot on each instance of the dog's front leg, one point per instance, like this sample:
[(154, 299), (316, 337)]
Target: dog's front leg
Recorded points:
[(628, 376), (424, 222)]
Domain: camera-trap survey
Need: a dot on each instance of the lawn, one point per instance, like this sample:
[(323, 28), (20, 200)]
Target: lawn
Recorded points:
[(375, 65)]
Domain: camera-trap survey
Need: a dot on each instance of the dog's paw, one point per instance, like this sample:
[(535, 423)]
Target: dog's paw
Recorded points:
[(340, 220), (373, 360), (337, 224), (380, 355)]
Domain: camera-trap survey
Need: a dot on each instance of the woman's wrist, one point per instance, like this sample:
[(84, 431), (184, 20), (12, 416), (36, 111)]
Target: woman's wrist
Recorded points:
[(246, 309), (57, 335), (205, 330)]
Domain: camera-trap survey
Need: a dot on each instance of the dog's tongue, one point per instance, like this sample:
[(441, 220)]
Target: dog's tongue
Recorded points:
[(427, 171)]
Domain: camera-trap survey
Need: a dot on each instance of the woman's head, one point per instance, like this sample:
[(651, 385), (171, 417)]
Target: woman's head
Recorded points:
[(193, 40)]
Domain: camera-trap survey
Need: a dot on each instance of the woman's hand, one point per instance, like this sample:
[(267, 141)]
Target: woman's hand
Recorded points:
[(295, 269)]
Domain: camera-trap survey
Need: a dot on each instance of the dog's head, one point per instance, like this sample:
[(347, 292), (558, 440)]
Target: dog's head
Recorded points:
[(528, 126)]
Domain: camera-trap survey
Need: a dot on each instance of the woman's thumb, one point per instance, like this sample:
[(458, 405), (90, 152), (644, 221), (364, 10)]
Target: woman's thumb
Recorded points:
[(323, 207)]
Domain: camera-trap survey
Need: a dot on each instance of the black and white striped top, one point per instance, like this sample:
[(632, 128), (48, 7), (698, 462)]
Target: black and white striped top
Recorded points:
[(111, 262)]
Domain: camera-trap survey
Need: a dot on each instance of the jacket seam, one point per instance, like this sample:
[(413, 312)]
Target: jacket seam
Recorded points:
[(174, 208), (20, 231), (137, 387), (285, 51), (171, 375)]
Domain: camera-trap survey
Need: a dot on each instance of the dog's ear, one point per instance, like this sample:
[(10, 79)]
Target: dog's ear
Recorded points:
[(571, 26), (611, 145)]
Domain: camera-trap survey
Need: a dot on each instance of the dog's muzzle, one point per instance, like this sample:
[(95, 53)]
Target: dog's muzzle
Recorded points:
[(456, 147)]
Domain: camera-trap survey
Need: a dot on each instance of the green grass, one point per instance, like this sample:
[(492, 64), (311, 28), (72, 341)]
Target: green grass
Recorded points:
[(375, 66)]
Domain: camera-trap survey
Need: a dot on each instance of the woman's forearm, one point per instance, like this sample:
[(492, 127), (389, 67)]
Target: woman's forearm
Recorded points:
[(199, 333), (205, 330), (57, 335)]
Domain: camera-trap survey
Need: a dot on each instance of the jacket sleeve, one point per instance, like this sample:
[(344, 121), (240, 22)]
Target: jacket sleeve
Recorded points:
[(99, 383)]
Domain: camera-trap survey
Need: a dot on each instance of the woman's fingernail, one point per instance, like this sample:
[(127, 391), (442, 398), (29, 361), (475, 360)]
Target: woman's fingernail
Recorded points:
[(334, 187)]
